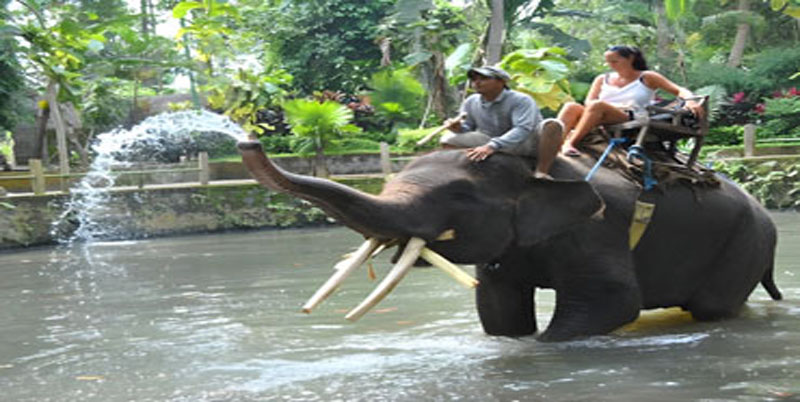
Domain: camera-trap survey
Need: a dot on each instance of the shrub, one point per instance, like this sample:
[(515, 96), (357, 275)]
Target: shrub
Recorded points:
[(780, 117), (354, 144), (276, 144), (775, 185), (725, 135), (407, 139)]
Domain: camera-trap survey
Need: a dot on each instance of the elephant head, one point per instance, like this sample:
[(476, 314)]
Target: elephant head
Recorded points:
[(441, 207)]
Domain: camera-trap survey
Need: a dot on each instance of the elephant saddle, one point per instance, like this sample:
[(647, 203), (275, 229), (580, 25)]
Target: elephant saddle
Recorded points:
[(668, 166)]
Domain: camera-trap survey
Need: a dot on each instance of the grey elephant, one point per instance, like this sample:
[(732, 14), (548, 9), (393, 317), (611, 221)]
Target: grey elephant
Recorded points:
[(705, 249)]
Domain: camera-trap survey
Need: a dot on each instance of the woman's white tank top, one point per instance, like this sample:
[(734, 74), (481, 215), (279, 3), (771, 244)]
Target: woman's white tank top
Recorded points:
[(634, 96)]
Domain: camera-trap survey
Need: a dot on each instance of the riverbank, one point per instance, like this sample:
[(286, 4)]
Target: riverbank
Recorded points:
[(28, 220)]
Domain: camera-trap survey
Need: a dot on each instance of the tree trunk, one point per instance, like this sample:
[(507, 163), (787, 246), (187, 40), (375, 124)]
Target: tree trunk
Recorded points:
[(439, 86), (494, 42), (40, 139), (320, 164), (145, 18), (742, 31), (60, 126), (664, 54)]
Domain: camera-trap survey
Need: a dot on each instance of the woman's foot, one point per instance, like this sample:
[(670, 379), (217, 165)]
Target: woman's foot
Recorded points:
[(569, 150)]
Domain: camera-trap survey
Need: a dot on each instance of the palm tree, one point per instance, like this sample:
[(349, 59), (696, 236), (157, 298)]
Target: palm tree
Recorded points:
[(316, 123)]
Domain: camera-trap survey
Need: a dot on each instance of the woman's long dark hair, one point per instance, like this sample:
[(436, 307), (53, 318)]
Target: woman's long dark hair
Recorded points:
[(639, 62)]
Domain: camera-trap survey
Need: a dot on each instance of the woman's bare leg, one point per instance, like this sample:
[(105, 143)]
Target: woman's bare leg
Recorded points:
[(569, 116), (595, 114)]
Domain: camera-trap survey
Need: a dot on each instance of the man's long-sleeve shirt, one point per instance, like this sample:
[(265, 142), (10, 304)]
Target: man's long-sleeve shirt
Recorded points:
[(509, 120)]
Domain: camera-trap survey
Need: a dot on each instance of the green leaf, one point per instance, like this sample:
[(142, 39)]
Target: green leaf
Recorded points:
[(180, 9), (416, 58)]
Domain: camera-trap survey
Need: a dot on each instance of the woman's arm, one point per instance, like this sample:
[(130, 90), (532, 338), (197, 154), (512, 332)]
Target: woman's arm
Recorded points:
[(655, 80), (594, 91)]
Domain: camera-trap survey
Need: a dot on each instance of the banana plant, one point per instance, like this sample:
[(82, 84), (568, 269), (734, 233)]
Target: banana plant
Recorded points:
[(540, 73)]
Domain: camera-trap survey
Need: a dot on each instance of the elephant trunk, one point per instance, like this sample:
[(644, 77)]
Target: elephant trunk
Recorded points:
[(370, 215)]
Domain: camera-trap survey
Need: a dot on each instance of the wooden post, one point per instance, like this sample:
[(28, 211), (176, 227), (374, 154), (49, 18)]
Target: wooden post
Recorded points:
[(386, 163), (749, 140), (37, 183), (202, 159)]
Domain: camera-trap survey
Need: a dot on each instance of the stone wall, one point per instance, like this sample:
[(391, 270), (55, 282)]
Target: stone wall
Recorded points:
[(29, 220)]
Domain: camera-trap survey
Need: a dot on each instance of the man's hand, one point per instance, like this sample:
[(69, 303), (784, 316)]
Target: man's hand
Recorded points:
[(480, 153), (695, 108), (454, 124)]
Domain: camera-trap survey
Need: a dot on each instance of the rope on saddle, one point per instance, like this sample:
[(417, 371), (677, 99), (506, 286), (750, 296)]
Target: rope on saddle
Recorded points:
[(666, 169), (611, 144)]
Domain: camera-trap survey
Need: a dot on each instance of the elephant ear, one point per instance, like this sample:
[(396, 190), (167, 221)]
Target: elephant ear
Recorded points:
[(550, 207)]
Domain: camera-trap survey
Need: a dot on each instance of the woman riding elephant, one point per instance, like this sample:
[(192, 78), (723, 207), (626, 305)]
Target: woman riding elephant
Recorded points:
[(617, 97)]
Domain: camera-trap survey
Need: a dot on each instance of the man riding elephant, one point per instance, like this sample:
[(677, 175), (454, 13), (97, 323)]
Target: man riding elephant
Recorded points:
[(499, 119)]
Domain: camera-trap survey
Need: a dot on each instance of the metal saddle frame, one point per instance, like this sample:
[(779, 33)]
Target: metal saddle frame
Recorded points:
[(665, 124)]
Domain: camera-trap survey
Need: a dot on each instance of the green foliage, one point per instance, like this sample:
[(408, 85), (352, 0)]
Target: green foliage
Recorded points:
[(325, 44), (11, 84), (774, 184), (103, 107), (354, 144), (765, 71), (316, 124), (407, 139), (717, 99), (397, 95), (458, 63), (781, 117), (210, 27), (6, 145), (242, 96), (541, 73), (724, 135)]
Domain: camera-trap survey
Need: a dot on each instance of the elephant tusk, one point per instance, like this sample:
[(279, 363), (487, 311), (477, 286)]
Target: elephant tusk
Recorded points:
[(448, 234), (343, 270), (407, 259), (449, 268)]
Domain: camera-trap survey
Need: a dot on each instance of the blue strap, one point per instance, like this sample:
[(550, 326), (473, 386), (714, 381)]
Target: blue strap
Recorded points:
[(611, 145), (637, 152)]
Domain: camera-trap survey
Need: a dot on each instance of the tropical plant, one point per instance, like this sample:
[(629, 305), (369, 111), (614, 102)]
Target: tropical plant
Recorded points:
[(774, 184), (244, 95), (326, 44), (397, 95), (316, 124), (780, 116), (6, 149), (541, 73)]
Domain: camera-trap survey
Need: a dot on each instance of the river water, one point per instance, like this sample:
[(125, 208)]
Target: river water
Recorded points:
[(217, 318)]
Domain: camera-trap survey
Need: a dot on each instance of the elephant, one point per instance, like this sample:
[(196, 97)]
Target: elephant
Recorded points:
[(705, 249)]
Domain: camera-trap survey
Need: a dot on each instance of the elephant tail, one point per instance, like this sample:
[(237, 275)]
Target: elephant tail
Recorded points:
[(769, 285)]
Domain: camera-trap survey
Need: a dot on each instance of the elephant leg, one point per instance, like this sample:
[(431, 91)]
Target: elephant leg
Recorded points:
[(597, 302), (505, 305), (719, 296)]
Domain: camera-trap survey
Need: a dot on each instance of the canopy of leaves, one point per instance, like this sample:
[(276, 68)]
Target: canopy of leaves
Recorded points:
[(327, 44)]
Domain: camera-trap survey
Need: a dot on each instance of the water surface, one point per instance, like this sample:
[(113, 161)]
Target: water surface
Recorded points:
[(216, 318)]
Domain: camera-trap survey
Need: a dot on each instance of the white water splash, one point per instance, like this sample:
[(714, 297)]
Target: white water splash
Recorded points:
[(88, 203)]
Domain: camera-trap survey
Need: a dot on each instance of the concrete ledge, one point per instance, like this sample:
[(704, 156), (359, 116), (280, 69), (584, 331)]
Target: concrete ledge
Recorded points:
[(27, 220)]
